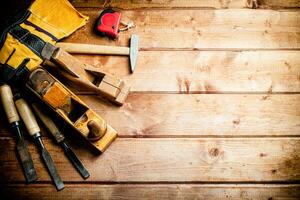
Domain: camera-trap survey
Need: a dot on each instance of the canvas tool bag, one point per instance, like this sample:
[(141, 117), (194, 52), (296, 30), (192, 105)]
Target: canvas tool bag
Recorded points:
[(22, 41)]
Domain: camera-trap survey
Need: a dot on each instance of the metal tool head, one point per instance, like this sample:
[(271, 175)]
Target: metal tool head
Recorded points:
[(49, 164), (26, 161), (75, 161), (52, 169), (133, 52)]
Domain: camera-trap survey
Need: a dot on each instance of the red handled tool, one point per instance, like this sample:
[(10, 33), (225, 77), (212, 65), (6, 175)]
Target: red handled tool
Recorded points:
[(109, 22)]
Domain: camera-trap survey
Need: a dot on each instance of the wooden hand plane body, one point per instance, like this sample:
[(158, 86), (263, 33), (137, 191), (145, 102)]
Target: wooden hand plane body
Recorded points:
[(110, 87), (73, 110)]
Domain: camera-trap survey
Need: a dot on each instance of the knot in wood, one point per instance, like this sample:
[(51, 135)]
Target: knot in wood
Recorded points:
[(214, 152)]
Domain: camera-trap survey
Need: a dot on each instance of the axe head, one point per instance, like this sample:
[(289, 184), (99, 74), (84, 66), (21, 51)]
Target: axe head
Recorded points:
[(134, 49)]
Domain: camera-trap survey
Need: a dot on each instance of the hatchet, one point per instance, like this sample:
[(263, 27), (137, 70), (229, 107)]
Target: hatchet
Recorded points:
[(131, 51)]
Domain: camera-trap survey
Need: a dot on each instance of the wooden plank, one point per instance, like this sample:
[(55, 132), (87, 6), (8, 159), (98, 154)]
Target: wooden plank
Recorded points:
[(148, 115), (203, 29), (146, 191), (144, 4), (205, 71), (168, 160), (204, 115)]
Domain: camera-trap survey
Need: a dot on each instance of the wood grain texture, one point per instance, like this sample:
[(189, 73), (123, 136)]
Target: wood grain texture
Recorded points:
[(168, 160), (148, 115), (203, 29), (199, 115), (150, 192), (193, 146), (144, 4), (204, 71)]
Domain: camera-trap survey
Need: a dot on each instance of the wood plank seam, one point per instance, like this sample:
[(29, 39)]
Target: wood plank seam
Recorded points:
[(212, 4), (201, 161)]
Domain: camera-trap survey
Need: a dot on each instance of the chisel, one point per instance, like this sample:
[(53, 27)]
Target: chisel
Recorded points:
[(34, 130), (14, 121), (60, 139)]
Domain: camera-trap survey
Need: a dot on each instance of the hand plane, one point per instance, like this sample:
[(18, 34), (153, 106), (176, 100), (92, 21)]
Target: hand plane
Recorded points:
[(71, 109), (90, 77)]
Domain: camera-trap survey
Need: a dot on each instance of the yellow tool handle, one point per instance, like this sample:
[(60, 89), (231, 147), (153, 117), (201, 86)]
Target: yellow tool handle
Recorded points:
[(9, 104), (93, 49), (27, 117)]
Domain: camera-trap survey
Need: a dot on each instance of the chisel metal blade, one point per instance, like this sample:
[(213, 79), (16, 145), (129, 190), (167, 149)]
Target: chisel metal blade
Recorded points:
[(26, 161), (59, 137), (52, 170), (35, 131), (6, 98), (75, 161)]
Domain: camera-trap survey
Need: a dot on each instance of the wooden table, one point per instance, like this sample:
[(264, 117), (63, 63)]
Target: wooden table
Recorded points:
[(214, 111)]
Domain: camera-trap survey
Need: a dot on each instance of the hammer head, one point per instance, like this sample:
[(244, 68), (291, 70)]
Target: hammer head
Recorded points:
[(133, 52)]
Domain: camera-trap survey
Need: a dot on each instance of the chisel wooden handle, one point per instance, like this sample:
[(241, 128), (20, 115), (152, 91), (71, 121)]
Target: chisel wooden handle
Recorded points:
[(9, 104), (59, 137), (48, 122), (21, 144), (93, 49), (27, 117)]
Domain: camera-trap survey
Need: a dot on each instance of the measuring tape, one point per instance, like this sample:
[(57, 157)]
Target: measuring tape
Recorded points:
[(108, 24)]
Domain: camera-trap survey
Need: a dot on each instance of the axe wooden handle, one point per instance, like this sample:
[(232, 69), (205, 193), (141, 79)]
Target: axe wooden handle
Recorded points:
[(93, 49)]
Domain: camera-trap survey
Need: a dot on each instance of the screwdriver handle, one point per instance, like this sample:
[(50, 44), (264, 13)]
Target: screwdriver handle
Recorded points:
[(9, 104), (27, 117), (48, 122)]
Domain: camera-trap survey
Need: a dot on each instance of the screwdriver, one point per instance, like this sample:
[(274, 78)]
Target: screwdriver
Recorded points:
[(60, 139), (34, 130), (22, 145)]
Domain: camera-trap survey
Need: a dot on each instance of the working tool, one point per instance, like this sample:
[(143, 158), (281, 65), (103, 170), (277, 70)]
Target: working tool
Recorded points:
[(34, 130), (22, 145), (29, 41), (60, 139), (108, 23), (131, 51), (108, 86), (71, 109)]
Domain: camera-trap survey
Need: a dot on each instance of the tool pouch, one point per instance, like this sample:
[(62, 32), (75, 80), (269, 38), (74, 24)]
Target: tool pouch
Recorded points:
[(22, 42)]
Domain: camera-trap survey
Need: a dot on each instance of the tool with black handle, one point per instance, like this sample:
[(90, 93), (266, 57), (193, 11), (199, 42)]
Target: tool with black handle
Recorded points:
[(21, 143), (34, 130), (60, 139)]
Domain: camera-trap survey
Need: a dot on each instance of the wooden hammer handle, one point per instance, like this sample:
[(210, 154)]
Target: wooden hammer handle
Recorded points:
[(93, 49)]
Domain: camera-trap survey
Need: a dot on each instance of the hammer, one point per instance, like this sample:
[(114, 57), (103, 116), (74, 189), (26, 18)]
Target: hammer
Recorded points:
[(131, 51)]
